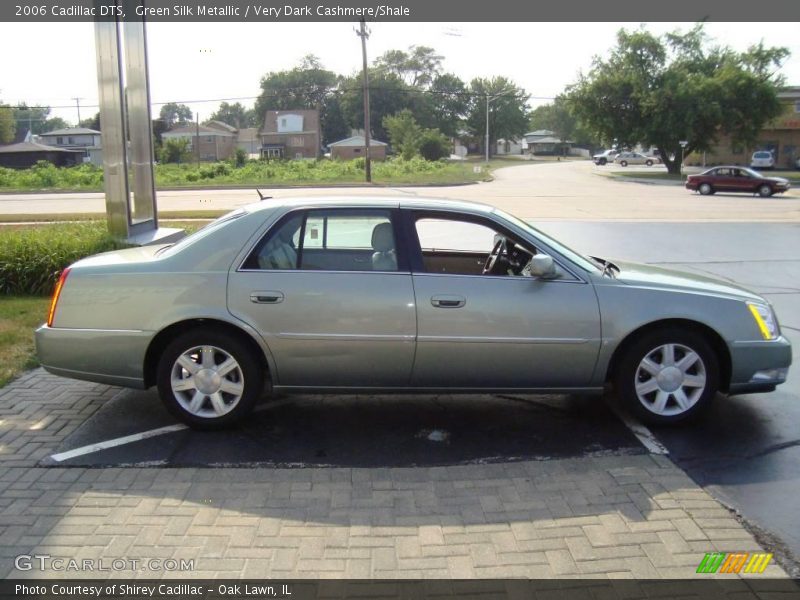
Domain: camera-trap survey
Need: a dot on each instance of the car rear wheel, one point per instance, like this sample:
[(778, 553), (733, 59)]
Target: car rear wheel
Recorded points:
[(764, 191), (705, 189), (667, 376), (623, 163), (209, 379), (649, 163)]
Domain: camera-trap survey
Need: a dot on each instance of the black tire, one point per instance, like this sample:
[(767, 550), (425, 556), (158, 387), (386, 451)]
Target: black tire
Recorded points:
[(630, 373), (649, 163), (249, 374), (602, 162), (764, 190), (705, 189), (623, 163)]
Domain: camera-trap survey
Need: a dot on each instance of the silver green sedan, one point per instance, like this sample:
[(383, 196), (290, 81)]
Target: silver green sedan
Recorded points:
[(376, 295)]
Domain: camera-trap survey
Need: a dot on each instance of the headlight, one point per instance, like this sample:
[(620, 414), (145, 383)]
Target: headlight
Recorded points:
[(765, 319)]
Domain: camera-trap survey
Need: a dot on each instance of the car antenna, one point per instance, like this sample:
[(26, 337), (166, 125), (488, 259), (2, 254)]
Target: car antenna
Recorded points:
[(262, 196)]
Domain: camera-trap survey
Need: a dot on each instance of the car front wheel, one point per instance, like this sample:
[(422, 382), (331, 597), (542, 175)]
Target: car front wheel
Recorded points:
[(667, 376), (765, 191), (649, 163), (623, 163), (209, 379), (705, 189)]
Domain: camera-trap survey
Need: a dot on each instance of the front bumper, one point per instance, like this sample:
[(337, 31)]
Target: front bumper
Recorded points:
[(115, 357), (759, 366)]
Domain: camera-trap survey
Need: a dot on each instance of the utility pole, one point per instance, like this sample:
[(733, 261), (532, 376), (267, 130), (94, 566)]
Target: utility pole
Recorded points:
[(197, 137), (78, 104), (492, 98), (363, 33)]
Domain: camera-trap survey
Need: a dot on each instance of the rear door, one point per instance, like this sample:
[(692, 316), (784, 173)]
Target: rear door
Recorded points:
[(331, 293)]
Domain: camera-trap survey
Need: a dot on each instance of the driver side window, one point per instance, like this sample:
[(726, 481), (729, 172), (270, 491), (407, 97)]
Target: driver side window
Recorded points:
[(459, 247)]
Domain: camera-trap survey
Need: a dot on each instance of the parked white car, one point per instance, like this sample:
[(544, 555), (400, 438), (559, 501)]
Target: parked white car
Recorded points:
[(762, 159), (634, 158), (606, 156)]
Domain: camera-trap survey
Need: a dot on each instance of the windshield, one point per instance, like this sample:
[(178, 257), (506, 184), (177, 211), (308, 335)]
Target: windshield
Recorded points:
[(762, 155), (582, 261), (202, 232)]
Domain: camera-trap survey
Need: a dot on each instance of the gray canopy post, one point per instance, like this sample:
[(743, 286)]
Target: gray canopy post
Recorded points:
[(126, 129)]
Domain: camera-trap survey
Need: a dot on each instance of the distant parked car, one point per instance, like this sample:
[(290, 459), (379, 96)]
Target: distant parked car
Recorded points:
[(762, 159), (797, 163), (606, 156), (736, 179), (634, 158)]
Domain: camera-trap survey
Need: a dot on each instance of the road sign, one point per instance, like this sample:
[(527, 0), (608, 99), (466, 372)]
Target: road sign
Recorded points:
[(684, 143)]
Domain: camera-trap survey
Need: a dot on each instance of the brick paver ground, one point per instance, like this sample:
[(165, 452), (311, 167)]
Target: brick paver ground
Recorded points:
[(616, 516)]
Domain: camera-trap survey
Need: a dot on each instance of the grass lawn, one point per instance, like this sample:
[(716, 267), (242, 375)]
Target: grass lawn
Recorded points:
[(19, 316), (163, 215)]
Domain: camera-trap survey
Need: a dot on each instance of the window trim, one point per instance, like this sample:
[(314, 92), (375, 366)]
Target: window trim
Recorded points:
[(394, 219), (412, 215)]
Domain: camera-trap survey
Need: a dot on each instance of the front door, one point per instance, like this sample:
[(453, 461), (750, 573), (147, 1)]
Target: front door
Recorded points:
[(332, 297), (502, 329)]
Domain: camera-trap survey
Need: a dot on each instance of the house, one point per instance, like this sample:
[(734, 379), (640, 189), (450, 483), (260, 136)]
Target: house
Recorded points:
[(247, 139), (356, 146), (216, 140), (508, 146), (291, 134), (781, 137), (88, 141), (26, 154), (544, 141)]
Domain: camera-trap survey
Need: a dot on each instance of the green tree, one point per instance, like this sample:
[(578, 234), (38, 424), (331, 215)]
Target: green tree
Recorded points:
[(417, 68), (433, 145), (235, 115), (91, 122), (172, 114), (661, 90), (174, 150), (508, 109), (404, 133), (388, 94), (449, 103), (7, 124), (37, 119)]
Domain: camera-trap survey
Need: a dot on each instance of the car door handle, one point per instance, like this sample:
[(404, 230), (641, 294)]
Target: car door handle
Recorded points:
[(266, 297), (448, 301)]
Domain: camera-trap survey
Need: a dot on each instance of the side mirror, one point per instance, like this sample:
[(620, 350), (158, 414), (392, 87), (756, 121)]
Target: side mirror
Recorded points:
[(543, 266)]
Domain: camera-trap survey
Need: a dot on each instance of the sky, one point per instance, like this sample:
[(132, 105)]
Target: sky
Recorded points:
[(190, 62)]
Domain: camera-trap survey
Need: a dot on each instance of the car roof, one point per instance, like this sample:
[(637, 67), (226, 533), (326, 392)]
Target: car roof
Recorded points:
[(420, 203)]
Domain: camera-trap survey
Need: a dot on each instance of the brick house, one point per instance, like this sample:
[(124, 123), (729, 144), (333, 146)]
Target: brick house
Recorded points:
[(291, 134), (217, 140), (355, 147)]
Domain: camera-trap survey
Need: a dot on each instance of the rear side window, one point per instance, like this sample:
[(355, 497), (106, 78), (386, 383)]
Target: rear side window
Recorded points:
[(329, 240)]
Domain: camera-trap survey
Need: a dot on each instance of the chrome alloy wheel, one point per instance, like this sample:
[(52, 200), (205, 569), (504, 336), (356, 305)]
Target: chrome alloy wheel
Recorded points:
[(670, 379), (207, 381)]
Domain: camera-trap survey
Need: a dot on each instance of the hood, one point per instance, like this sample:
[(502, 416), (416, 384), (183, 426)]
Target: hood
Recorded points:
[(121, 257), (669, 279)]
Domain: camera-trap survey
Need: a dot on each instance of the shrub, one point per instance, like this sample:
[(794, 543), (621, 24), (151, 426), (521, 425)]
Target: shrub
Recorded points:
[(434, 145), (31, 259), (174, 150), (239, 158)]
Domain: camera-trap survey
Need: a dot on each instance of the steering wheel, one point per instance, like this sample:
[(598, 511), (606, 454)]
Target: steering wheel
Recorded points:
[(491, 260)]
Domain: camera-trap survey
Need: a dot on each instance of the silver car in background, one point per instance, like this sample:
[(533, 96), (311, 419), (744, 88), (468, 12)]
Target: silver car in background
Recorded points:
[(375, 295)]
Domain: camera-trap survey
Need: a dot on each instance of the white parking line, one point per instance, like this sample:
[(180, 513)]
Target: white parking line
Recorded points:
[(121, 441), (644, 435)]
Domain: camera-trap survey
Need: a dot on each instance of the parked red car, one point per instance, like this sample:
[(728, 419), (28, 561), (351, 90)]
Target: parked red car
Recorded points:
[(736, 179)]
